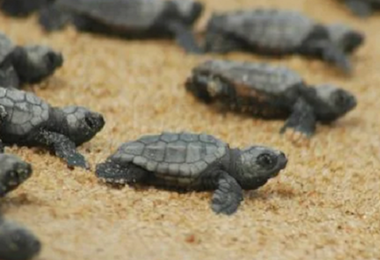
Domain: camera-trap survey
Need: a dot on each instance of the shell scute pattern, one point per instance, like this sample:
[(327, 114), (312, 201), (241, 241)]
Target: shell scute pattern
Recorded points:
[(168, 154), (23, 114), (274, 29), (259, 76)]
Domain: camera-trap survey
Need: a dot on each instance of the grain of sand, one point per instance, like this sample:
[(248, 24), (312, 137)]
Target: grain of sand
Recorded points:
[(325, 205)]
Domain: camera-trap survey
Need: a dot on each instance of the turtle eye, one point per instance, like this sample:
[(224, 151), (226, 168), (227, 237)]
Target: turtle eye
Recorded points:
[(265, 160), (89, 121)]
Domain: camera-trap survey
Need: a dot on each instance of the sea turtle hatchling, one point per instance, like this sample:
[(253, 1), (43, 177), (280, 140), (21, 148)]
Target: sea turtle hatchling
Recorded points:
[(16, 242), (30, 121), (26, 64), (269, 92), (362, 8), (188, 161), (13, 172), (22, 8), (276, 32), (127, 18), (345, 37)]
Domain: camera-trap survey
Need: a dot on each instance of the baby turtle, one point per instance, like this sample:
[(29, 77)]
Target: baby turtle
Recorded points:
[(22, 8), (269, 92), (26, 64), (17, 242), (275, 32), (128, 18), (13, 172), (362, 8), (31, 121), (188, 161)]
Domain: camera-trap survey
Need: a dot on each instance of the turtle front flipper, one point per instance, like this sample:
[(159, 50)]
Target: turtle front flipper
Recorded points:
[(185, 37), (113, 173), (359, 7), (63, 147), (302, 119), (228, 196), (332, 54)]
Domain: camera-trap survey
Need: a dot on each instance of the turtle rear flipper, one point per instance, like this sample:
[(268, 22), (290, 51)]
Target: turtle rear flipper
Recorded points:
[(360, 8), (185, 37), (62, 147), (228, 196)]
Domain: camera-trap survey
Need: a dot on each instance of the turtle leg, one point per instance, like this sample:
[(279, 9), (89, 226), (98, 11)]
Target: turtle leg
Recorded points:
[(185, 37), (331, 53), (114, 173), (359, 7), (228, 195), (63, 147), (302, 119)]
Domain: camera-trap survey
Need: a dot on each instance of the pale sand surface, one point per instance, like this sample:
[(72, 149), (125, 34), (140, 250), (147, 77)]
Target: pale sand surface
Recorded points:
[(325, 205)]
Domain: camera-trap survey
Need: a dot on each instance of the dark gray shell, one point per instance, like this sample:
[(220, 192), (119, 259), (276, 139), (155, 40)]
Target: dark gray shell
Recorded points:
[(266, 28), (173, 154), (25, 112), (251, 78), (6, 46), (126, 14)]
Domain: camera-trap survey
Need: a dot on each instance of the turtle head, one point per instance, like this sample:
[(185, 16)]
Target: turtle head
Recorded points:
[(332, 102), (188, 11), (13, 172), (345, 37), (17, 242), (261, 162), (33, 63), (82, 124)]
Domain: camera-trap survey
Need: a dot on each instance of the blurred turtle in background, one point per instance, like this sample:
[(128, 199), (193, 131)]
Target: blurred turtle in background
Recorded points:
[(278, 33), (270, 92), (127, 18), (26, 64), (362, 8), (16, 242), (22, 8)]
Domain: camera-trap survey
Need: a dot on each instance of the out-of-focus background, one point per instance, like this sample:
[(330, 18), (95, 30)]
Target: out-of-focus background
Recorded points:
[(325, 205)]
